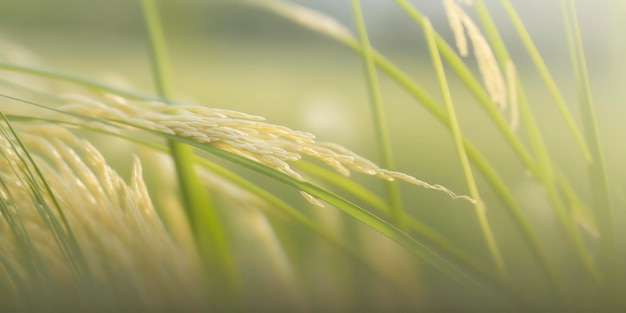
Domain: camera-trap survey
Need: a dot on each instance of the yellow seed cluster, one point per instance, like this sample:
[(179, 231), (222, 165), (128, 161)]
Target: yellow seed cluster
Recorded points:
[(123, 241), (493, 79), (242, 134)]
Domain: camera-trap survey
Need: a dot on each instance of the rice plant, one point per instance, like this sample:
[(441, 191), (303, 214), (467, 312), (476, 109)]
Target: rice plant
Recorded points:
[(209, 208)]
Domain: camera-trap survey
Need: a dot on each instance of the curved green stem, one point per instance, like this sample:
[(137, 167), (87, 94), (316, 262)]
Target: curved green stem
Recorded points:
[(596, 167), (547, 78), (202, 215), (458, 142), (74, 79), (378, 116), (545, 168)]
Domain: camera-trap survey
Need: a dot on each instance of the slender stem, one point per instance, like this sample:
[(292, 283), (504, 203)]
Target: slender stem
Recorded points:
[(458, 142), (545, 171), (547, 78), (548, 181), (378, 116), (206, 227), (73, 78), (596, 168), (62, 231)]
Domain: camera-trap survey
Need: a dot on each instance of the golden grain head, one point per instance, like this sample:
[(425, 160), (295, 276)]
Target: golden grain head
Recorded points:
[(455, 14), (239, 133), (123, 241), (493, 79)]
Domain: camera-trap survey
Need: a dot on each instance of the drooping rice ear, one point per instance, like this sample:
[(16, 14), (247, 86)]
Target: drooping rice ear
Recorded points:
[(124, 243), (272, 145), (461, 23)]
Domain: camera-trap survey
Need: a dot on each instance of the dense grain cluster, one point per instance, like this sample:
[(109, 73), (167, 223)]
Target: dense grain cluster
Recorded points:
[(123, 248), (242, 134), (460, 23)]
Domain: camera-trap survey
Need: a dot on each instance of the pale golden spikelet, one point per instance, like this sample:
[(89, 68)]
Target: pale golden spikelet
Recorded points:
[(460, 23), (123, 242), (245, 135), (455, 14), (511, 79), (314, 201), (308, 18)]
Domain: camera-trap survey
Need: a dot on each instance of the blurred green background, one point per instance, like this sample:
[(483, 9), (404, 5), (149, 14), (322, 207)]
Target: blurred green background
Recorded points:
[(233, 56)]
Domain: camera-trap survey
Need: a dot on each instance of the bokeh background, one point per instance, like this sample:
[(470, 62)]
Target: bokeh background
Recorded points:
[(233, 56)]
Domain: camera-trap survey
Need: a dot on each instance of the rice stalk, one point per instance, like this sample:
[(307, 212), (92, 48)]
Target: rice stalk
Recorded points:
[(382, 137), (206, 226), (596, 167), (458, 141), (547, 78), (79, 80), (546, 172)]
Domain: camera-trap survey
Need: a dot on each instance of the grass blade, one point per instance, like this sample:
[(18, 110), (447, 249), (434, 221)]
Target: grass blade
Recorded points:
[(458, 141), (74, 79), (545, 169), (377, 112), (209, 235), (596, 167), (33, 261), (547, 78), (37, 183)]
